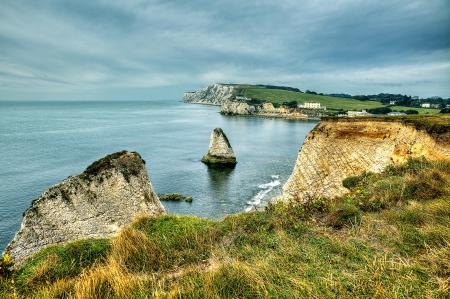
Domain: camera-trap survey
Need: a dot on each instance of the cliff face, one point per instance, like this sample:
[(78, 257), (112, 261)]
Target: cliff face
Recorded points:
[(109, 195), (214, 94), (235, 107), (340, 148)]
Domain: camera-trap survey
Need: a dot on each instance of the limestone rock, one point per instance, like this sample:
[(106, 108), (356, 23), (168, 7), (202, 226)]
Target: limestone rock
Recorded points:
[(214, 94), (239, 107), (99, 202), (338, 148), (220, 151)]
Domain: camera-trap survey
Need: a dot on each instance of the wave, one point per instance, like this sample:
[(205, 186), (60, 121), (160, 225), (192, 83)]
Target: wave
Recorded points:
[(256, 200)]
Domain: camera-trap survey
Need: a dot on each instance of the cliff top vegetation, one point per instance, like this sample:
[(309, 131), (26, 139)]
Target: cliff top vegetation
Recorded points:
[(437, 125), (280, 95), (389, 237), (105, 163)]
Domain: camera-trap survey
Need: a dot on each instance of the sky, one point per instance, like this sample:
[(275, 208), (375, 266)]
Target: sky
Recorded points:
[(150, 50)]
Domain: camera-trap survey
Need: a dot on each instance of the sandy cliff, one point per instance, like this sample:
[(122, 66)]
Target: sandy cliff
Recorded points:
[(238, 107), (109, 195), (339, 148)]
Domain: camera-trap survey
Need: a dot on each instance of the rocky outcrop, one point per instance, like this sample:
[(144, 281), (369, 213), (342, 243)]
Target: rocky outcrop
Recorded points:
[(214, 94), (106, 197), (339, 148), (220, 151), (239, 107)]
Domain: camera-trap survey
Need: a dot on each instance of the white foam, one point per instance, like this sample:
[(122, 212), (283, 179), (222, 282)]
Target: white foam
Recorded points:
[(256, 200)]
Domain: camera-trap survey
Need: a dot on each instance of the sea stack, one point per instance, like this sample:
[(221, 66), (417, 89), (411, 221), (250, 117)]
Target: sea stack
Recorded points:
[(96, 203), (220, 151)]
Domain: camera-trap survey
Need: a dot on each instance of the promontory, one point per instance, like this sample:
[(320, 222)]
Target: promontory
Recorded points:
[(96, 203)]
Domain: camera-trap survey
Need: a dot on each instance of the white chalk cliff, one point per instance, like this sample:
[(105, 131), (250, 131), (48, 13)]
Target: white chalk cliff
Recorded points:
[(214, 94), (99, 202)]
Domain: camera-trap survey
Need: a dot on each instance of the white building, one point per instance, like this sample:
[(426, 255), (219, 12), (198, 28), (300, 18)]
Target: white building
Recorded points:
[(243, 98), (358, 113), (425, 105), (311, 105), (396, 113)]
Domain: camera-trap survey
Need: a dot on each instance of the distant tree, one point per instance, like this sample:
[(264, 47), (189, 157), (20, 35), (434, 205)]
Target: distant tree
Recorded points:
[(292, 104), (361, 98), (339, 95), (380, 110), (411, 111), (445, 110)]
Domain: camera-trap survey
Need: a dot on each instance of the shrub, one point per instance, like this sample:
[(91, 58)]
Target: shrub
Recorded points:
[(419, 190), (344, 214), (354, 181), (5, 265), (351, 182)]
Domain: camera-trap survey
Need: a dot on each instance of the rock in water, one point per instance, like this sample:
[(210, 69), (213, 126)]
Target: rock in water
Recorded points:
[(220, 151), (96, 203)]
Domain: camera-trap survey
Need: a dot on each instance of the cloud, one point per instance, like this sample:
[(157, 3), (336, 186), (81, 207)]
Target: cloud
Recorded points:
[(60, 49)]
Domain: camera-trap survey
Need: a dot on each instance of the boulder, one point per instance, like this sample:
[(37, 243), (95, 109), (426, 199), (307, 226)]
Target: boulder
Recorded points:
[(220, 151)]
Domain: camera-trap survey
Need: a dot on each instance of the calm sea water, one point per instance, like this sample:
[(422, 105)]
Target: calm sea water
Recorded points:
[(42, 143)]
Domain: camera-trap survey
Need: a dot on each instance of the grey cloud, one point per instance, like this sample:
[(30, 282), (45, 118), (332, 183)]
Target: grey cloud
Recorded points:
[(104, 45)]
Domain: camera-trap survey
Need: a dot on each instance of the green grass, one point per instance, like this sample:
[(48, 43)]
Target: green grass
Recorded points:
[(388, 238), (422, 111), (278, 96), (437, 125)]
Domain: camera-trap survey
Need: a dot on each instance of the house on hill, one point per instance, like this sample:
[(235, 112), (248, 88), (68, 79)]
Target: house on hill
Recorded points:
[(358, 113), (396, 113), (311, 105)]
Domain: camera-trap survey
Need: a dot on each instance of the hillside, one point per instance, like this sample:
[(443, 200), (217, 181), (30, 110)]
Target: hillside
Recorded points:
[(387, 238), (278, 96)]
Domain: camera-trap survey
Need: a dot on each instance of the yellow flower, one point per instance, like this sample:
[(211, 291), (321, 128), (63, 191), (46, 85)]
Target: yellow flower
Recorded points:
[(7, 259)]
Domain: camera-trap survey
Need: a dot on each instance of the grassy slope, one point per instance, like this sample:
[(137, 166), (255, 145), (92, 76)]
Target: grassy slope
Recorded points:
[(388, 238), (421, 110), (280, 96)]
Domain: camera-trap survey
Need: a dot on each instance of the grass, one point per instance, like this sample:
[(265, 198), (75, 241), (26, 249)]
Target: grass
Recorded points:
[(422, 111), (389, 237), (437, 125), (278, 96)]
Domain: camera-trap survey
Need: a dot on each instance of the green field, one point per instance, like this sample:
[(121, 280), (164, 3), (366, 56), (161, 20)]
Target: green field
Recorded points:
[(421, 110), (278, 96)]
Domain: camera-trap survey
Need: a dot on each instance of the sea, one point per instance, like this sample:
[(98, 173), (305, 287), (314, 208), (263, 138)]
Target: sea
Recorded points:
[(42, 143)]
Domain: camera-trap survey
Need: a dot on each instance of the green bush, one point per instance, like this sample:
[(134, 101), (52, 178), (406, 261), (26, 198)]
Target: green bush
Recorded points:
[(344, 214), (5, 266)]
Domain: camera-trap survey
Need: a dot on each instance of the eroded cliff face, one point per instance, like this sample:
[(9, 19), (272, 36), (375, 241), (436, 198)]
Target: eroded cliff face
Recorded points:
[(339, 148), (237, 107), (99, 202), (214, 94)]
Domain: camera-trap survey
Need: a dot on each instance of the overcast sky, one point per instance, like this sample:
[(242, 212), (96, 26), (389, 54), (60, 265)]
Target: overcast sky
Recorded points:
[(147, 50)]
